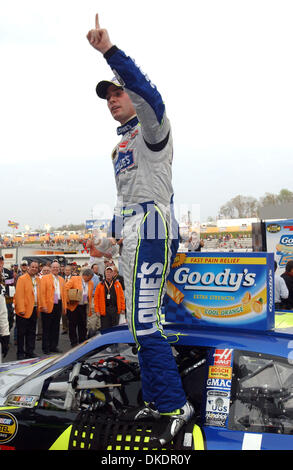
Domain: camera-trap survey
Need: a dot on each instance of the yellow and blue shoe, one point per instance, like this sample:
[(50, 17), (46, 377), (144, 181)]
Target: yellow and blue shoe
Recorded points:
[(174, 422)]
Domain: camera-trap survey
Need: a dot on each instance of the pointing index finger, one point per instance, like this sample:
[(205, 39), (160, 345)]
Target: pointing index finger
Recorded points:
[(97, 21)]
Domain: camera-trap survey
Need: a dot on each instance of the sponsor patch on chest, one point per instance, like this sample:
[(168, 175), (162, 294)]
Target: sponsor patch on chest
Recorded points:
[(125, 161)]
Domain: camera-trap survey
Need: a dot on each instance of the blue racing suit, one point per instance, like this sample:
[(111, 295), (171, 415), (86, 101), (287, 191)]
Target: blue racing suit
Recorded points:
[(143, 171)]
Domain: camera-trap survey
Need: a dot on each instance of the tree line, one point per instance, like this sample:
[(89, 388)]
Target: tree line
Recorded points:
[(240, 207), (68, 227)]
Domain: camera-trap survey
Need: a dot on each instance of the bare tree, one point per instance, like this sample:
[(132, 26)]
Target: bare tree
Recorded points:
[(239, 207)]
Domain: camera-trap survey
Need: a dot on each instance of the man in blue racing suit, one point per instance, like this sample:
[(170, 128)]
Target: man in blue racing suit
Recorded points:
[(144, 218)]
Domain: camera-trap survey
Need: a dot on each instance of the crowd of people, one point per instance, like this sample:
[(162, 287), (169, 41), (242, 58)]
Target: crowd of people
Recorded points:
[(227, 241), (66, 242), (40, 299)]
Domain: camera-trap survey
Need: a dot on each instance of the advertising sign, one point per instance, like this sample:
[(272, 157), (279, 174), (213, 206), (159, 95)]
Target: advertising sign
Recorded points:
[(89, 224), (222, 289), (218, 387), (279, 237)]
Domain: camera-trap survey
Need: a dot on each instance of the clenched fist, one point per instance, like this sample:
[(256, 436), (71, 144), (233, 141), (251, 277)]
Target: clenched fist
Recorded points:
[(99, 38)]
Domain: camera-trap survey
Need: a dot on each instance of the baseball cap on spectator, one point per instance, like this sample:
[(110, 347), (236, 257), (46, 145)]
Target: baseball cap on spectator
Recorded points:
[(24, 263)]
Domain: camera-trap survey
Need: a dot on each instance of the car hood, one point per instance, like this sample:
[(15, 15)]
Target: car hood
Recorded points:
[(11, 373)]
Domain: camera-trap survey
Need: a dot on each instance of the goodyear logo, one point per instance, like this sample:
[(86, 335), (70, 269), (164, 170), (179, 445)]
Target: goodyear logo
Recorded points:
[(8, 427)]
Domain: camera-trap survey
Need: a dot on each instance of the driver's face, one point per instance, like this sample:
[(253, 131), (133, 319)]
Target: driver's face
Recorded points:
[(119, 104)]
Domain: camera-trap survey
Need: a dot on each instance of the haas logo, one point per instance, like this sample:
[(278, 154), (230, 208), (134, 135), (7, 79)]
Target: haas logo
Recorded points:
[(223, 357)]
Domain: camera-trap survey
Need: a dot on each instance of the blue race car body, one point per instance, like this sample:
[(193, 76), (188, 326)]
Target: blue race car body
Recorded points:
[(240, 383)]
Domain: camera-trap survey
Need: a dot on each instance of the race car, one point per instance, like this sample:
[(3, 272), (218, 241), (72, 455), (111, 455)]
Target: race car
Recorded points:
[(240, 384)]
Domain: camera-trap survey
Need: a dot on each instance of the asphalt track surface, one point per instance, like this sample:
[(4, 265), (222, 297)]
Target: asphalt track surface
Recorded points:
[(63, 346)]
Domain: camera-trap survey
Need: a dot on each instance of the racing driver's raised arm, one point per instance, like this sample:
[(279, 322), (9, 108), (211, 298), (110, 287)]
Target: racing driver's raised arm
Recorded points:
[(144, 95)]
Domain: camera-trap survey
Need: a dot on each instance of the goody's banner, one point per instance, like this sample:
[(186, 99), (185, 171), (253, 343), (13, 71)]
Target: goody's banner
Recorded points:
[(222, 289), (279, 238)]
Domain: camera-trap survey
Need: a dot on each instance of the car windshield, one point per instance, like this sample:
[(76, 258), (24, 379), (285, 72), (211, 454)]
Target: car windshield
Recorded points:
[(110, 372), (74, 352)]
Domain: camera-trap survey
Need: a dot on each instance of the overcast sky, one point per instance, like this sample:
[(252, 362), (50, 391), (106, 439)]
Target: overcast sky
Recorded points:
[(223, 67)]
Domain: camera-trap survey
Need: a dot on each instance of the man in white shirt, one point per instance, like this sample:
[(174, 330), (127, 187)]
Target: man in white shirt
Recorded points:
[(281, 290)]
